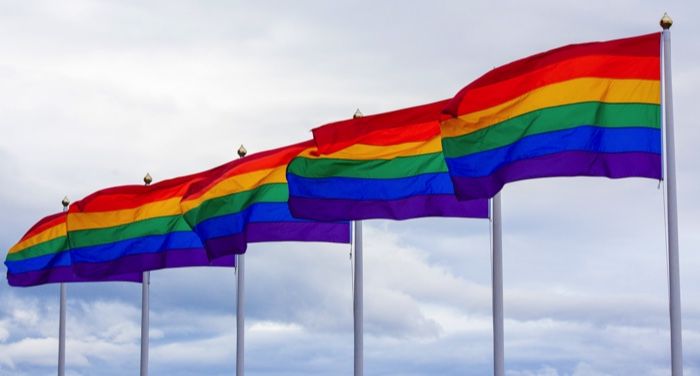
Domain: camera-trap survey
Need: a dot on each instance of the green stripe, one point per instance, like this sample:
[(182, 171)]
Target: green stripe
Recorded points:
[(153, 226), (400, 167), (609, 115), (46, 248), (234, 203)]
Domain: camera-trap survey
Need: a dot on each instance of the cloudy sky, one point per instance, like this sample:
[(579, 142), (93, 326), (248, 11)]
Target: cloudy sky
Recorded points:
[(95, 94)]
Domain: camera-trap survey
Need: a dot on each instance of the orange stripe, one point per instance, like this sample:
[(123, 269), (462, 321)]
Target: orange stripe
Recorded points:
[(94, 220), (373, 152), (573, 91), (49, 234)]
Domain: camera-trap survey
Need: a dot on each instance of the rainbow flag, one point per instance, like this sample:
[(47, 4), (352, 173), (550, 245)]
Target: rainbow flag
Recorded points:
[(245, 201), (581, 110), (202, 219), (42, 256), (382, 166), (134, 228)]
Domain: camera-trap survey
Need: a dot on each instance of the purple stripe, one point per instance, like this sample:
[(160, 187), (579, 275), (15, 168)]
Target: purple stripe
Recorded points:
[(225, 261), (298, 231), (225, 246), (411, 207), (148, 261), (575, 163), (257, 232), (64, 274)]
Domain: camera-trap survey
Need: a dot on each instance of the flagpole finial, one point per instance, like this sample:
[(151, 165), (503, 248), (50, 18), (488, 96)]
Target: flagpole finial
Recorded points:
[(242, 151), (148, 179), (357, 114), (666, 21), (65, 202)]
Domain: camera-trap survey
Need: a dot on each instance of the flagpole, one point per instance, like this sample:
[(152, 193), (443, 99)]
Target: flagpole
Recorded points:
[(145, 309), (240, 319), (357, 300), (672, 208), (497, 286), (240, 302), (358, 311), (62, 316)]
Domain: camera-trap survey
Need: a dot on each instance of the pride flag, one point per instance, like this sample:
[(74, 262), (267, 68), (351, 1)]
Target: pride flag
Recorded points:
[(41, 256), (388, 165), (245, 201), (202, 219), (134, 228), (581, 110)]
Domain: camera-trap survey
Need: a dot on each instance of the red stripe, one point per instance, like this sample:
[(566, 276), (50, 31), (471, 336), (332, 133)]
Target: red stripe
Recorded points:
[(408, 133), (415, 123), (133, 196), (44, 224), (636, 57)]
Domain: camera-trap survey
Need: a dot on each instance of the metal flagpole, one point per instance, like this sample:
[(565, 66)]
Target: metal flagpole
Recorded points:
[(240, 319), (145, 309), (357, 300), (62, 316), (240, 302), (497, 286), (358, 313), (674, 283)]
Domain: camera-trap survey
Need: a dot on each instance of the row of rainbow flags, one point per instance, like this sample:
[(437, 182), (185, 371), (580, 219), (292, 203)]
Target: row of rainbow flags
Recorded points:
[(590, 109)]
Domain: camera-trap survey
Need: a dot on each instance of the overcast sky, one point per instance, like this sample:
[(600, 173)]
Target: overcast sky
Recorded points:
[(96, 94)]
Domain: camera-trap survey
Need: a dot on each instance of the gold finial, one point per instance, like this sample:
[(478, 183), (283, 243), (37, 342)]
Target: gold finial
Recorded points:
[(242, 151), (147, 179), (65, 202), (666, 22), (357, 114)]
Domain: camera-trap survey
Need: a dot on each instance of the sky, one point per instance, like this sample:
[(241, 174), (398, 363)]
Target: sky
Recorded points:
[(96, 93)]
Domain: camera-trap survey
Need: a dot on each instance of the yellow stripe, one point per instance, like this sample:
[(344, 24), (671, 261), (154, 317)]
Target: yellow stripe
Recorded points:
[(44, 236), (84, 221), (567, 92), (370, 152), (239, 183)]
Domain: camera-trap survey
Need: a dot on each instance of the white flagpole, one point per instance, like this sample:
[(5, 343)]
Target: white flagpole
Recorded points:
[(357, 300), (674, 283), (145, 309), (358, 312), (62, 317), (497, 286), (240, 302), (240, 318), (145, 322)]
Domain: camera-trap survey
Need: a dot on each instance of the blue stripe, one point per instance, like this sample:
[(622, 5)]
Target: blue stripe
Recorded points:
[(231, 224), (38, 263), (146, 244), (370, 189), (584, 138)]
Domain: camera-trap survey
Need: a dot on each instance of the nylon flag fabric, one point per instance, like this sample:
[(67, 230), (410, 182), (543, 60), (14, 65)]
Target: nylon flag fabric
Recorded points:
[(134, 228), (42, 256), (382, 166), (581, 110), (245, 201)]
